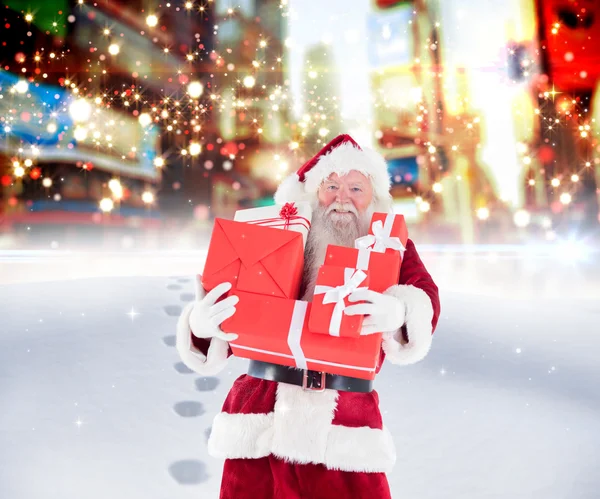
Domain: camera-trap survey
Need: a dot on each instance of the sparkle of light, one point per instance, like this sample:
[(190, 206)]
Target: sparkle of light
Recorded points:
[(195, 89), (80, 110), (80, 134), (148, 197), (195, 148), (21, 86), (152, 20), (106, 205), (483, 213), (522, 218), (145, 119), (565, 198)]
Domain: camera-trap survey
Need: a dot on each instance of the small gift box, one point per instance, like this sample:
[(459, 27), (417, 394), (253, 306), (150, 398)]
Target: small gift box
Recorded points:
[(387, 233), (384, 268), (290, 216), (275, 330), (333, 286)]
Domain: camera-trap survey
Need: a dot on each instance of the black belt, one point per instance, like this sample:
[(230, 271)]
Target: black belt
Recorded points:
[(309, 380)]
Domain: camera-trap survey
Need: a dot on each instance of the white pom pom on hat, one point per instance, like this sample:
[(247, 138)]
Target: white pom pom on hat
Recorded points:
[(340, 156)]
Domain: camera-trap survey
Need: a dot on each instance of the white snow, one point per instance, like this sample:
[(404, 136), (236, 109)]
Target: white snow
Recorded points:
[(94, 402)]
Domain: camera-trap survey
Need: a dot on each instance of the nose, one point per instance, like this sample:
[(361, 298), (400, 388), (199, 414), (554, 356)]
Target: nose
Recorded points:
[(342, 195)]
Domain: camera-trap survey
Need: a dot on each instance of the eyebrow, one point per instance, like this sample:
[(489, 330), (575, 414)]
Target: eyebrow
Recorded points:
[(357, 183)]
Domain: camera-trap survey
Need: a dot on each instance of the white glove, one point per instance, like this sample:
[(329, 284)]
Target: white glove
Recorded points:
[(207, 315), (385, 313)]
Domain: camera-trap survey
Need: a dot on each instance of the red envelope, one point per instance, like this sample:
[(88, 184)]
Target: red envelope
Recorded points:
[(254, 258)]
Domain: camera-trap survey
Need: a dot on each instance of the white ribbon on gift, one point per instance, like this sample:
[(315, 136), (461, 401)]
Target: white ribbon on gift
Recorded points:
[(380, 240), (294, 339), (363, 258), (336, 294)]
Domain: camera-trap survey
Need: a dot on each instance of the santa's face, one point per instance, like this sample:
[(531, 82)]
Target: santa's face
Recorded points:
[(342, 215), (346, 198)]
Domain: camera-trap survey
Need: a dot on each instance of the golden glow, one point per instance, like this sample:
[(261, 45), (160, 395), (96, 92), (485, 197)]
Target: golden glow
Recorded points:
[(195, 148), (152, 20)]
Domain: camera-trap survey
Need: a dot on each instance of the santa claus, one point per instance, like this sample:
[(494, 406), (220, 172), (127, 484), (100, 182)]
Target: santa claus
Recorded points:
[(286, 433)]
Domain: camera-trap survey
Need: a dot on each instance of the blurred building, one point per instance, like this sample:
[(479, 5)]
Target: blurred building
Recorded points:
[(253, 115), (321, 91), (96, 162)]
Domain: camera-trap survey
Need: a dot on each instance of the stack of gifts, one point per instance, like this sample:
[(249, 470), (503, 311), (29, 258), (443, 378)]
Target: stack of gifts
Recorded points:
[(261, 253)]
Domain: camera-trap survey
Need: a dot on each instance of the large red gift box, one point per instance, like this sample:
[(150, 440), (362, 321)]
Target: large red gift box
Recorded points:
[(275, 330), (254, 258), (334, 285)]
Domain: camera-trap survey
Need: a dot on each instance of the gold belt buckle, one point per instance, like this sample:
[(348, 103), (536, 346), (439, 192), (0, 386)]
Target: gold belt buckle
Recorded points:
[(311, 388)]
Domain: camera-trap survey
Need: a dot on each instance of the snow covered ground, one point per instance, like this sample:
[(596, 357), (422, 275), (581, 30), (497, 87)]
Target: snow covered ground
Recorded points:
[(95, 403)]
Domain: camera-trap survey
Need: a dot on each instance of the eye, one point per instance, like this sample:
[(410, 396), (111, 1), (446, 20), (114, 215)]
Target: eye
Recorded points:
[(356, 189), (332, 187)]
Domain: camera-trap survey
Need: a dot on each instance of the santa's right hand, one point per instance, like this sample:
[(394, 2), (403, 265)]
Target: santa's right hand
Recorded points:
[(207, 314)]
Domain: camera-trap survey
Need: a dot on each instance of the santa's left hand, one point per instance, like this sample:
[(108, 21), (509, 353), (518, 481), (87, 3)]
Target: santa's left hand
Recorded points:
[(385, 313)]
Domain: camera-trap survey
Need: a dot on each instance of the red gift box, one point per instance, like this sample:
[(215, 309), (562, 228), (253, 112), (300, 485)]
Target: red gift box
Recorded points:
[(384, 268), (254, 258), (275, 330), (387, 233), (333, 286)]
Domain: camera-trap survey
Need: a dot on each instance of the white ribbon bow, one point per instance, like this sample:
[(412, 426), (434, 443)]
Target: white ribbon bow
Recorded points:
[(352, 279), (380, 239)]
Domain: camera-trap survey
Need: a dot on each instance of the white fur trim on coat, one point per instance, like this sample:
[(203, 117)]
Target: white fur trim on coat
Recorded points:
[(241, 436), (208, 365), (341, 160), (300, 430), (419, 314)]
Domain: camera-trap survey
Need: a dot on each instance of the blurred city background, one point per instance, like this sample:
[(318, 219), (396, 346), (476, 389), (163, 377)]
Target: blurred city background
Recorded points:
[(132, 124)]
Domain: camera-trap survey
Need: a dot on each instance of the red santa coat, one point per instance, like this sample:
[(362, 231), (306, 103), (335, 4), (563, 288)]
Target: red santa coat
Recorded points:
[(341, 430)]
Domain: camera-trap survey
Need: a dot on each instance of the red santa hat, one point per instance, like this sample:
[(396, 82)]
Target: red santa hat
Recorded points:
[(340, 156)]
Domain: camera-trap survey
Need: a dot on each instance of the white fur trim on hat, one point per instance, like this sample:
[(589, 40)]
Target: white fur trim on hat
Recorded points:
[(419, 314), (291, 190), (341, 160)]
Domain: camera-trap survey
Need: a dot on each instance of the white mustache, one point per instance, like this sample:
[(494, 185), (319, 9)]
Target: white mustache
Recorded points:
[(345, 207)]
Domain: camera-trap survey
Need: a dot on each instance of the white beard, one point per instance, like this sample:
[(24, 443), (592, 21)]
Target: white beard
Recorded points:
[(330, 228)]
